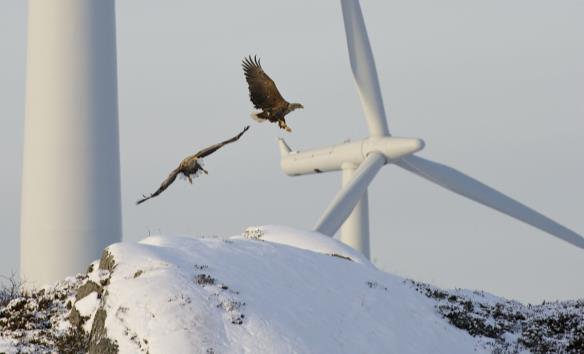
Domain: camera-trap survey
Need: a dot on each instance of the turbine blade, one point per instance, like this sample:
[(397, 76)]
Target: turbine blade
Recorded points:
[(284, 148), (363, 66), (346, 199), (469, 187)]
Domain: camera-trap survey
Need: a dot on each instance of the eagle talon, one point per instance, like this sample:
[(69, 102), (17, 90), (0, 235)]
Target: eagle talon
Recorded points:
[(284, 126)]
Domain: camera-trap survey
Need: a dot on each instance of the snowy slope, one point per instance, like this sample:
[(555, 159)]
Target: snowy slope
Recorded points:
[(272, 289), (241, 295)]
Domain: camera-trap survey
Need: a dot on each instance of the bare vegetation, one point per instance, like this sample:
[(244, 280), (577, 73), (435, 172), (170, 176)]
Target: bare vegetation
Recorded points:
[(509, 326), (10, 288), (32, 317)]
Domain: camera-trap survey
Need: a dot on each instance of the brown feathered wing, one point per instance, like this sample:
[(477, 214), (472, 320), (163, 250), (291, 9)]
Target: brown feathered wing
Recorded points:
[(262, 90), (211, 149), (167, 182)]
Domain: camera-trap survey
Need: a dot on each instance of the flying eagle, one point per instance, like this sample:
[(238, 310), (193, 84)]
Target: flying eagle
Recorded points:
[(265, 95), (191, 166)]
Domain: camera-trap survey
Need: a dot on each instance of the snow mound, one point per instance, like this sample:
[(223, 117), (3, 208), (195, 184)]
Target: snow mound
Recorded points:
[(265, 294), (303, 239)]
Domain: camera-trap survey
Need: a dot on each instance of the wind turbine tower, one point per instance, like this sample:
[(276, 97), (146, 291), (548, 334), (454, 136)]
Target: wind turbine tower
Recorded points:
[(360, 160), (70, 203)]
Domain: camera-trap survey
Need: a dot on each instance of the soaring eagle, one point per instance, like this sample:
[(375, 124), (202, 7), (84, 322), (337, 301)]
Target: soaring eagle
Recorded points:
[(191, 166), (265, 95)]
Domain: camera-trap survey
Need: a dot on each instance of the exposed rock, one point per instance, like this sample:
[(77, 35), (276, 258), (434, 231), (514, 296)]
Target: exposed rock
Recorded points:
[(99, 343), (204, 279), (107, 261), (87, 289), (341, 256), (75, 318)]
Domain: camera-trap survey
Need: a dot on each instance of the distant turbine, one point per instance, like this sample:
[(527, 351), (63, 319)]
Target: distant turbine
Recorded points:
[(70, 206), (361, 160)]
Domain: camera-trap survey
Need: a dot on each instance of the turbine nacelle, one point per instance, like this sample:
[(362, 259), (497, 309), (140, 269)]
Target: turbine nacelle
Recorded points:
[(332, 158)]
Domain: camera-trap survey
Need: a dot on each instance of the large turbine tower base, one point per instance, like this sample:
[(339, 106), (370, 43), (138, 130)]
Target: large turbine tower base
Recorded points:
[(355, 230), (70, 206)]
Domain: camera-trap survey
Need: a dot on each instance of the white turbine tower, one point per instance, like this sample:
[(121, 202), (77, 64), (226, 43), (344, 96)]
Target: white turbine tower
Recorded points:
[(70, 206), (361, 160)]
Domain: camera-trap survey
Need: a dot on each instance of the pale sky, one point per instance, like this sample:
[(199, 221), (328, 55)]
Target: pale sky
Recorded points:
[(495, 88)]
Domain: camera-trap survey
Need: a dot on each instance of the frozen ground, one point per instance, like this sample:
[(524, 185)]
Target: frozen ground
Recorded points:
[(274, 289)]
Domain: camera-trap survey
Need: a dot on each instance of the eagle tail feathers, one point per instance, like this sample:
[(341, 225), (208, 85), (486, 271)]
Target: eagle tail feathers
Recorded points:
[(255, 116)]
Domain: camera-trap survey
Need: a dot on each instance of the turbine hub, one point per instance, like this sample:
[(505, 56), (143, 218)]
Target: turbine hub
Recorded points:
[(392, 148)]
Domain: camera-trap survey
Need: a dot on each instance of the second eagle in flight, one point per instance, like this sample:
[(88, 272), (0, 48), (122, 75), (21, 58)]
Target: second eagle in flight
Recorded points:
[(265, 95)]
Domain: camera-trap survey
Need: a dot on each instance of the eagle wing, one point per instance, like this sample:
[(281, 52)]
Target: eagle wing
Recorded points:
[(205, 152), (262, 90), (211, 149), (167, 182)]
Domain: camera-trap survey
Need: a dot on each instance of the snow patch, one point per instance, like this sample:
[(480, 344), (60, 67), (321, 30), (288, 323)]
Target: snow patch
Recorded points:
[(87, 307)]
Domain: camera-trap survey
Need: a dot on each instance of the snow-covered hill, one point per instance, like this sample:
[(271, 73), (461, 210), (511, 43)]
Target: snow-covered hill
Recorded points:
[(271, 290)]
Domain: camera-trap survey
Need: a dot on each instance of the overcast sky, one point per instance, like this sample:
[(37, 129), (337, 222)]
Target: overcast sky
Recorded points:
[(495, 88)]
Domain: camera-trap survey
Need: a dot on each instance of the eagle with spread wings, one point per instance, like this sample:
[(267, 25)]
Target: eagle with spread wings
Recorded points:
[(191, 166), (265, 95)]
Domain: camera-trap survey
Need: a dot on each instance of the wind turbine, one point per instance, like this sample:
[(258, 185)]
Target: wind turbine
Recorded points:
[(360, 160), (71, 205)]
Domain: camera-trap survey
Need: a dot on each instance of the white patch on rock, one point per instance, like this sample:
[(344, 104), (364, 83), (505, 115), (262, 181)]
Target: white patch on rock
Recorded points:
[(87, 307)]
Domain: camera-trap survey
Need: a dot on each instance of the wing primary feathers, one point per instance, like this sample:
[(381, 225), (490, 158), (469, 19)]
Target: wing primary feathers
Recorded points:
[(165, 184), (211, 149), (263, 92)]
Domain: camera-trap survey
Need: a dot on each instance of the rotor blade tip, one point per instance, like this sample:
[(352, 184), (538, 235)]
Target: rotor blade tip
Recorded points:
[(284, 148)]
